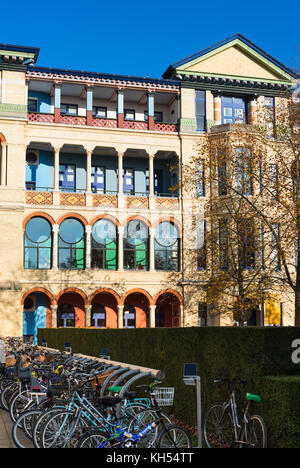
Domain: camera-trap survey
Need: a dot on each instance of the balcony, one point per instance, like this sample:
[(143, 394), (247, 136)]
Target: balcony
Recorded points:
[(103, 123), (69, 177)]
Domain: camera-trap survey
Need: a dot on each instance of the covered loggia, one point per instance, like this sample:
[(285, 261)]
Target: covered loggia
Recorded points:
[(36, 312)]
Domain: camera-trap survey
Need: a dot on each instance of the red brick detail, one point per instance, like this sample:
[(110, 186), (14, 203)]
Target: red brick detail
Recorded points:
[(137, 291), (150, 122), (38, 290), (89, 117), (57, 115), (120, 120)]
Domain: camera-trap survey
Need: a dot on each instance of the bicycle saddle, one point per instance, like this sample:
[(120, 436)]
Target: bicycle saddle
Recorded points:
[(106, 402)]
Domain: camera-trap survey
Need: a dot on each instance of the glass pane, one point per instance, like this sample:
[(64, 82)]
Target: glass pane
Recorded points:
[(71, 231), (166, 234), (38, 229), (104, 231), (30, 260), (227, 111), (44, 258)]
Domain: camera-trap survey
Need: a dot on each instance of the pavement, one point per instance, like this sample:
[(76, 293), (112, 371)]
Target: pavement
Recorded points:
[(5, 430)]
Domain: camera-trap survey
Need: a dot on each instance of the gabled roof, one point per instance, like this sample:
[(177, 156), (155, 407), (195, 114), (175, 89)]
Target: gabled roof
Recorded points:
[(236, 37)]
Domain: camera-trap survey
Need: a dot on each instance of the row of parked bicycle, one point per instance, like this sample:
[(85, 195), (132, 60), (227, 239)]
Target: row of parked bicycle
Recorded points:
[(55, 402)]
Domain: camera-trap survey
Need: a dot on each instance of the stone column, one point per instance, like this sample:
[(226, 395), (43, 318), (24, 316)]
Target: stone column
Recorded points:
[(217, 109), (55, 230), (88, 316), (181, 316), (89, 105), (151, 249), (88, 231), (121, 199), (120, 248), (57, 102), (152, 316), (120, 315), (252, 111), (53, 316), (3, 163), (150, 111), (56, 168), (120, 108), (89, 170)]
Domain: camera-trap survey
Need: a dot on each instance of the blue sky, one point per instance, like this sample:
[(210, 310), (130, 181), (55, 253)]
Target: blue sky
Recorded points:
[(142, 38)]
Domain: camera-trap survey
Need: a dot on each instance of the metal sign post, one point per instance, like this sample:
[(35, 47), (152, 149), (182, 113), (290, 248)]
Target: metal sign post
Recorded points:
[(191, 378)]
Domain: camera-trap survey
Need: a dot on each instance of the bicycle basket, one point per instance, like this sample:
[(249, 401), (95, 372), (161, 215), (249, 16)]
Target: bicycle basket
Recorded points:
[(58, 385), (164, 396)]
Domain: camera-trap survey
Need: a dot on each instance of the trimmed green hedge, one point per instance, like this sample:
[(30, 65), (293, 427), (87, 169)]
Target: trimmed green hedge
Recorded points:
[(249, 353)]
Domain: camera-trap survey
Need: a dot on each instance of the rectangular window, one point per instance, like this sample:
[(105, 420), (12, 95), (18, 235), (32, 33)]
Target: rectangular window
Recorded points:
[(98, 179), (223, 244), (32, 105), (275, 240), (200, 110), (233, 110), (269, 115), (67, 177), (247, 244), (129, 114), (222, 185), (128, 181), (273, 178), (69, 109), (158, 116), (200, 178), (99, 112), (202, 314), (201, 245), (243, 171)]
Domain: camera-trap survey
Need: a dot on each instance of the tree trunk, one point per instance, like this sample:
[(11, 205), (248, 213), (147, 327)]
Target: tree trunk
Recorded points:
[(297, 307)]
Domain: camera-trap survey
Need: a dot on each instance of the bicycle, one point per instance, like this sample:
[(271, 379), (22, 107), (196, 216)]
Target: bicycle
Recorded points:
[(142, 430), (222, 428)]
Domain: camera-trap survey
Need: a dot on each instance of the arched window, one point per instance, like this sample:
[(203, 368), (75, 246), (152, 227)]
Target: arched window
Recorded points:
[(104, 245), (65, 316), (129, 316), (98, 316), (71, 245), (166, 247), (37, 244), (136, 246)]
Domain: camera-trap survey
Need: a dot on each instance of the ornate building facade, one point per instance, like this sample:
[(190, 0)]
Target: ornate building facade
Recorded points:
[(94, 219)]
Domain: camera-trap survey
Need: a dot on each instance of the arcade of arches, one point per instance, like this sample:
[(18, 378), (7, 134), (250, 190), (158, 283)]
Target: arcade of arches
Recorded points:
[(103, 309)]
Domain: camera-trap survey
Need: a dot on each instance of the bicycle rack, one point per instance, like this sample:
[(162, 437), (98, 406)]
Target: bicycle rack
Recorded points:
[(127, 374), (128, 384), (110, 377)]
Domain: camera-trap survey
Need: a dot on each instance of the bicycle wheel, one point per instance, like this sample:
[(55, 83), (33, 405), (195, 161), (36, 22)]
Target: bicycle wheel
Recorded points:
[(218, 427), (62, 430), (40, 425), (256, 433), (22, 429), (95, 439), (174, 437), (139, 422), (7, 394), (20, 402)]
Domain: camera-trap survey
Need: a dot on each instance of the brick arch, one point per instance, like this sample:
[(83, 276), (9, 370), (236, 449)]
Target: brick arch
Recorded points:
[(137, 291), (72, 291), (39, 290), (170, 292), (2, 138), (104, 291), (105, 216), (73, 215), (140, 218), (36, 214), (171, 220)]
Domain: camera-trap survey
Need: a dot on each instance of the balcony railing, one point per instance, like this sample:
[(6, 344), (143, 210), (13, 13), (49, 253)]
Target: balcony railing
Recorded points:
[(104, 123)]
